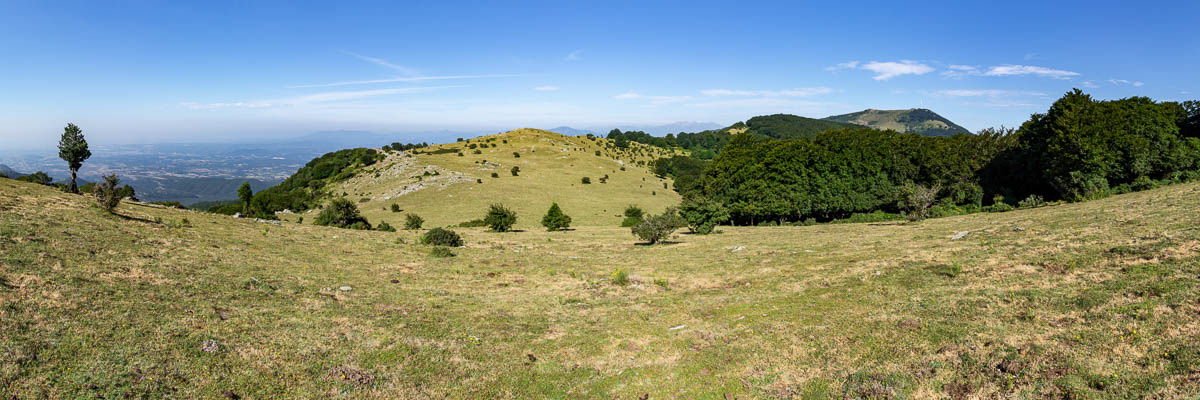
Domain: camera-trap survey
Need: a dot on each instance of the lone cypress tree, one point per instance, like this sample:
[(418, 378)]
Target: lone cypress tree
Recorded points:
[(555, 220), (73, 149), (245, 194)]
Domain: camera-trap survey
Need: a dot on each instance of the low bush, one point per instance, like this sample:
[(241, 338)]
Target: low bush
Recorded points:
[(413, 222), (500, 218), (555, 220), (442, 237), (107, 194), (441, 252), (385, 227), (656, 228), (342, 213), (396, 207), (1033, 201)]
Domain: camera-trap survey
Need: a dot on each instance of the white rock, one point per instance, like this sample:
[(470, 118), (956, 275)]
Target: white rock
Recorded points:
[(960, 235), (345, 288)]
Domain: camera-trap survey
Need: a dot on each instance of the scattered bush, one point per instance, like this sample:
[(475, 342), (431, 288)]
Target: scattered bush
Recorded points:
[(516, 170), (385, 227), (37, 177), (107, 193), (656, 228), (495, 175), (516, 154), (396, 207), (555, 220), (586, 180), (441, 252), (500, 218), (633, 216), (342, 213), (476, 152), (442, 237), (475, 223), (413, 222)]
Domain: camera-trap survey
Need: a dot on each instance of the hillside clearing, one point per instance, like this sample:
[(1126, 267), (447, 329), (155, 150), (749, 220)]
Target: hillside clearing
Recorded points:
[(1096, 299)]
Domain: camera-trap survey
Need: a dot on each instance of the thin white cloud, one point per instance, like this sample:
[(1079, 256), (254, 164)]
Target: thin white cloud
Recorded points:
[(1015, 70), (1090, 84), (891, 69), (384, 63), (314, 98), (845, 65), (574, 55), (1125, 82), (547, 88), (798, 92), (652, 99), (985, 93), (960, 71), (405, 79)]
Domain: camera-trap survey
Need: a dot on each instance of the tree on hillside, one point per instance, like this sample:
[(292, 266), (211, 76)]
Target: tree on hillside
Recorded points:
[(73, 149), (245, 194), (555, 220), (500, 218), (342, 213), (39, 177), (516, 170), (633, 216), (918, 199), (107, 193)]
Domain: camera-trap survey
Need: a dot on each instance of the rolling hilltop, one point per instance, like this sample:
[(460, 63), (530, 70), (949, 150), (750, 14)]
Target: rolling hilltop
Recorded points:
[(447, 188), (1085, 300), (914, 120)]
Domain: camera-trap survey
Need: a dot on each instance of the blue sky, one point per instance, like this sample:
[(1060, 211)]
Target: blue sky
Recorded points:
[(174, 71)]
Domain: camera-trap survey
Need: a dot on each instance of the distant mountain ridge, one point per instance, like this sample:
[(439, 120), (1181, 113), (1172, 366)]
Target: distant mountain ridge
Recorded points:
[(914, 120), (9, 172)]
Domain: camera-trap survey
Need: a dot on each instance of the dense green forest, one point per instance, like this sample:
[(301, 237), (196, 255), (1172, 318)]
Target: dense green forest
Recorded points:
[(304, 189), (707, 144), (1079, 149)]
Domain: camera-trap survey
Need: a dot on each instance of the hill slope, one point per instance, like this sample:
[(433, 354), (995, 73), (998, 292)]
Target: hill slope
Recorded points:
[(787, 126), (1086, 300), (444, 188), (915, 120)]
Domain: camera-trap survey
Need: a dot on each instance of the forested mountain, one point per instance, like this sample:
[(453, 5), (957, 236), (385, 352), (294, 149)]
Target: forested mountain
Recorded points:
[(787, 126), (1080, 149), (914, 120)]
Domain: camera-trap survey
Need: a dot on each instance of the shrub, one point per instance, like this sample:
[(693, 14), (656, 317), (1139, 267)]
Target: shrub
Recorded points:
[(475, 223), (516, 154), (395, 207), (413, 222), (1032, 201), (477, 180), (495, 175), (516, 170), (555, 220), (597, 153), (586, 180), (633, 216), (656, 228), (442, 237), (500, 218), (342, 213), (918, 199), (620, 277), (385, 227), (477, 152), (703, 215), (441, 252), (107, 193)]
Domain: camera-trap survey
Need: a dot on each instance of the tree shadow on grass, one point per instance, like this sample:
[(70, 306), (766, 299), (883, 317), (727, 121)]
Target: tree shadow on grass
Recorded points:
[(135, 219), (662, 243)]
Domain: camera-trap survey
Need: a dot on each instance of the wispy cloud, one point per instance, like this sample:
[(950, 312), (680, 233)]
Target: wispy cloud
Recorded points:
[(652, 99), (314, 98), (547, 88), (891, 69), (384, 63), (405, 79), (1124, 82), (845, 65), (574, 55), (985, 93), (1016, 70), (798, 92), (1090, 84), (885, 70), (955, 71)]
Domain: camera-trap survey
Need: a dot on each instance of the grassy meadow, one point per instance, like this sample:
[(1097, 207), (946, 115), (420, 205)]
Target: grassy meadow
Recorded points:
[(552, 168), (1099, 299)]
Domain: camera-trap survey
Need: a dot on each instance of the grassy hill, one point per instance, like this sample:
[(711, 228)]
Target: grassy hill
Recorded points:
[(915, 120), (444, 188), (1085, 300), (787, 126)]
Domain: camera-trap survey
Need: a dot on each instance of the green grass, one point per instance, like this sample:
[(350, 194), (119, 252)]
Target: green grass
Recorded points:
[(1089, 300)]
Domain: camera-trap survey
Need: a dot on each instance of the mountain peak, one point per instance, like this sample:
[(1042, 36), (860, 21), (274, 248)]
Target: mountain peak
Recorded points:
[(921, 121)]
